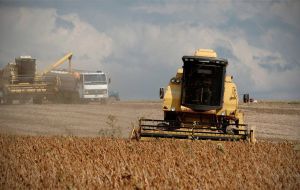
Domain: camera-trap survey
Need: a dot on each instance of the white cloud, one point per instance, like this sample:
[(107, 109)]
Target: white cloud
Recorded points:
[(36, 31), (142, 55), (163, 46), (288, 11), (208, 12), (174, 7)]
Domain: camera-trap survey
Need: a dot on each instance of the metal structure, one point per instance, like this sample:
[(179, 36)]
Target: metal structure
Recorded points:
[(67, 57), (20, 80), (200, 102)]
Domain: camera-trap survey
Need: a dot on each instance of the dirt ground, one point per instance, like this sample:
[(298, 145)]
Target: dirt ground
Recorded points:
[(271, 120)]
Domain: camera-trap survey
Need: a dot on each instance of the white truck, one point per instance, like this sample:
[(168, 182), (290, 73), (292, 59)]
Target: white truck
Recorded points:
[(94, 86), (83, 86)]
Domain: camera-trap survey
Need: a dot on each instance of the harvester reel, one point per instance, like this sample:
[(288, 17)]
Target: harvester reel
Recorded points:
[(231, 130), (165, 129)]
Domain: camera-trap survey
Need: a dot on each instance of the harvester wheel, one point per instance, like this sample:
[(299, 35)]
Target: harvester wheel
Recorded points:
[(22, 101), (7, 100), (37, 100), (163, 126)]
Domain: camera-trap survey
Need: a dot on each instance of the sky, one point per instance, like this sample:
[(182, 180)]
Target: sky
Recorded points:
[(140, 43)]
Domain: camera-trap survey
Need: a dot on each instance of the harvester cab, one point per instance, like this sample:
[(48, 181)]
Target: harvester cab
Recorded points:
[(26, 68), (21, 81), (200, 102)]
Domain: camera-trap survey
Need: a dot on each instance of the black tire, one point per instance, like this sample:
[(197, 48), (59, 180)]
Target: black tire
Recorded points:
[(22, 101), (7, 101), (37, 100), (103, 101), (75, 99)]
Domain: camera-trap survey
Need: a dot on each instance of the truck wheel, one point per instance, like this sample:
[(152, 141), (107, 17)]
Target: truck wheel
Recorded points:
[(112, 99), (103, 101), (75, 99)]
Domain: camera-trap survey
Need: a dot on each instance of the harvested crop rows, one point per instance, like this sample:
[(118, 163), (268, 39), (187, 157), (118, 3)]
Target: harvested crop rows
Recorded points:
[(81, 162)]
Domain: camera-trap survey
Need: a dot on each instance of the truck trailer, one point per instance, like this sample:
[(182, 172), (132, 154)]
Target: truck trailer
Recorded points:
[(80, 86)]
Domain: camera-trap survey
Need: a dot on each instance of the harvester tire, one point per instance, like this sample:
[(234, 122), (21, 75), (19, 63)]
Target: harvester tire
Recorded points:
[(7, 101), (37, 100)]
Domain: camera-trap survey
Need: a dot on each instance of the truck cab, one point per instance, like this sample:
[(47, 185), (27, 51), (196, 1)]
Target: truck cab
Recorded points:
[(93, 86)]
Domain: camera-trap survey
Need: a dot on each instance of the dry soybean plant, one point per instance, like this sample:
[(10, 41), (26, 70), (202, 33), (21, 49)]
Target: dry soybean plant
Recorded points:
[(105, 163)]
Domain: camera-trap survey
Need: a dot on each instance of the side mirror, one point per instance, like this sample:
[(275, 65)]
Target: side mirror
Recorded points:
[(161, 93), (109, 80)]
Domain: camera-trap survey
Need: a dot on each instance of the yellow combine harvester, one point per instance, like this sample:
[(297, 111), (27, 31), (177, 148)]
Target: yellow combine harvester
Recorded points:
[(200, 102), (20, 80)]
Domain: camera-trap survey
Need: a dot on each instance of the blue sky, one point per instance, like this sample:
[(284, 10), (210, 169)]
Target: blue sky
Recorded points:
[(140, 43)]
